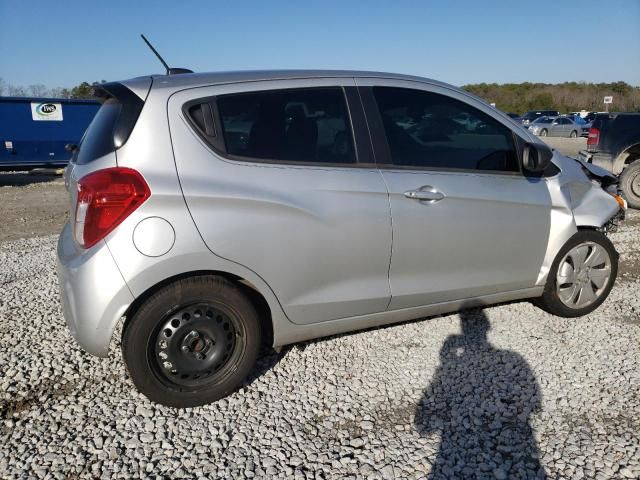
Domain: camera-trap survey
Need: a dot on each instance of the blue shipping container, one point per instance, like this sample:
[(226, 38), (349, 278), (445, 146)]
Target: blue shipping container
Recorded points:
[(34, 131)]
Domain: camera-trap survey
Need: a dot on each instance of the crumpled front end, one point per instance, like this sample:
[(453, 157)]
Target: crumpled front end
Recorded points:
[(591, 192), (581, 197)]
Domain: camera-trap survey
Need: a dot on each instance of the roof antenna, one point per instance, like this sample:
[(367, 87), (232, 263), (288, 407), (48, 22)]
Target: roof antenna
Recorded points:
[(170, 71)]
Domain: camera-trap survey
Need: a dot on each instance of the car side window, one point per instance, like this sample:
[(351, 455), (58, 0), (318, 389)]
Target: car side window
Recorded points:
[(426, 129), (297, 125)]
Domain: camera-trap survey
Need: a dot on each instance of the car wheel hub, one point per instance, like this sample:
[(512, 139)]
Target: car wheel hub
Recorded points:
[(583, 274), (194, 343)]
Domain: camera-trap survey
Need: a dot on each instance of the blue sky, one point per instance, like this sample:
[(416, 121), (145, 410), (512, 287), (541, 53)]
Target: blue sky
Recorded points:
[(66, 42)]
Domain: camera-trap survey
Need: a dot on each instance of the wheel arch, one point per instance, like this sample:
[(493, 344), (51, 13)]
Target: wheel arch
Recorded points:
[(628, 155), (257, 299)]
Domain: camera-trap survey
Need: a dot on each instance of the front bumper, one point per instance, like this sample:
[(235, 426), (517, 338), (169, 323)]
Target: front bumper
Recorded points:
[(94, 295)]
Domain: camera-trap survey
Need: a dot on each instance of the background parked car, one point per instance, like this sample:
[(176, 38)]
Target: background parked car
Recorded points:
[(515, 116), (590, 117), (555, 127), (531, 115), (614, 144)]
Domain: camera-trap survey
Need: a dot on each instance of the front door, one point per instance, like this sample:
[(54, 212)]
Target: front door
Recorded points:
[(276, 181), (466, 221)]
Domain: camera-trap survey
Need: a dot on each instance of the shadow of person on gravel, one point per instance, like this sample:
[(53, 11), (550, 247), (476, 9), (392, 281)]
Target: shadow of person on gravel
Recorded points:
[(480, 401)]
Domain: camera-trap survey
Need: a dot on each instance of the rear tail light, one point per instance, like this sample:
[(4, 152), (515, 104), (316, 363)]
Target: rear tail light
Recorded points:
[(594, 136), (105, 199)]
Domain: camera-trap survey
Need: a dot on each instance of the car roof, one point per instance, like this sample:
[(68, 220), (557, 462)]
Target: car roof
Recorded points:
[(186, 80)]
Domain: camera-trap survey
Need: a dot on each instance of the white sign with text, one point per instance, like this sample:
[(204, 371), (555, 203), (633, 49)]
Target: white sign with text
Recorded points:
[(46, 111)]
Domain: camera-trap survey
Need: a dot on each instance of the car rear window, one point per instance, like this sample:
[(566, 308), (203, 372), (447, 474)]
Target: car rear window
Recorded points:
[(112, 125), (98, 138)]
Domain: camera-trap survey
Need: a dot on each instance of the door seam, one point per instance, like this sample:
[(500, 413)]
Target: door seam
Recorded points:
[(386, 186)]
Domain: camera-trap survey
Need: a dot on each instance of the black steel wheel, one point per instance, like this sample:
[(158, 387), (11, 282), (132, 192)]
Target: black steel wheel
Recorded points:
[(195, 345), (192, 342)]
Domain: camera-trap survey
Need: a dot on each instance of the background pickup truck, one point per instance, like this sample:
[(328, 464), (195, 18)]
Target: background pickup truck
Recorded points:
[(614, 144)]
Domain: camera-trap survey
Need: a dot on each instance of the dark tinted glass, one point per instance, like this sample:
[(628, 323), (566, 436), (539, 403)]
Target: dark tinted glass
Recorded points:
[(98, 138), (429, 130), (531, 115), (305, 125)]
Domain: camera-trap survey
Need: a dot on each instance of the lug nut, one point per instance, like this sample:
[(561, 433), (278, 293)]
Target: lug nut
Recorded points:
[(167, 365)]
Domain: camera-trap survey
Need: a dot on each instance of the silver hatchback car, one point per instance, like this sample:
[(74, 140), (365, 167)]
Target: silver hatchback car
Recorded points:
[(214, 212)]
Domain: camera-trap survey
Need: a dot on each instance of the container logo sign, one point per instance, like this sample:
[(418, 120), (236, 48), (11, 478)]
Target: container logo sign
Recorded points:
[(46, 111)]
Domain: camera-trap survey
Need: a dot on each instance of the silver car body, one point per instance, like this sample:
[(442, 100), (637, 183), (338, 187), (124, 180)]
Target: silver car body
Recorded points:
[(558, 127), (330, 249)]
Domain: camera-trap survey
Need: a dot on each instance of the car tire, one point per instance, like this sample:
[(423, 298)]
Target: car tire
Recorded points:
[(544, 132), (602, 259), (192, 342), (630, 184), (573, 134)]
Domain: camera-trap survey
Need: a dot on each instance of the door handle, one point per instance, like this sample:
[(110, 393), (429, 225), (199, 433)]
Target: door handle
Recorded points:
[(429, 194)]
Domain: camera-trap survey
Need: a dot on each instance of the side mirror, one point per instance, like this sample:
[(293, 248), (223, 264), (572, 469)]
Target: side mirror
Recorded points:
[(71, 147), (536, 158)]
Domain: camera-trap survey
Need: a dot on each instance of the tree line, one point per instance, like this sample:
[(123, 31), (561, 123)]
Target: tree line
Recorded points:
[(564, 97), (84, 90)]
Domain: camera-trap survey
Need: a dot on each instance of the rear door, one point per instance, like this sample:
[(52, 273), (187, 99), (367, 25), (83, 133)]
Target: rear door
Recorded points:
[(565, 127), (279, 177), (466, 221)]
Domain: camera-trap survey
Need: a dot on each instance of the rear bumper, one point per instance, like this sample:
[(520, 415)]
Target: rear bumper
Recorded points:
[(94, 295), (603, 160)]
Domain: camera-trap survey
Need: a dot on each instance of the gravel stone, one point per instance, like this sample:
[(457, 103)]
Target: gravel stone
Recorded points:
[(506, 392)]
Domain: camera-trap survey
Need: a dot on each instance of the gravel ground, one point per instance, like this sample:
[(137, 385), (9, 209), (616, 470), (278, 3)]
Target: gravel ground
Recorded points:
[(504, 392), (567, 146), (33, 204)]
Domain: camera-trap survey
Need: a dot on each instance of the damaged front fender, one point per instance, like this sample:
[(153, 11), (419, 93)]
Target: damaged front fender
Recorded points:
[(579, 200), (588, 191)]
